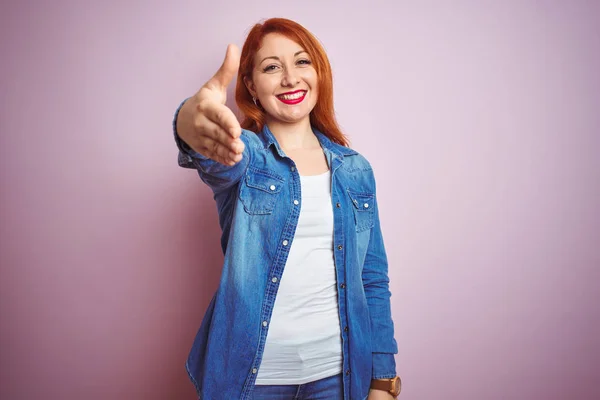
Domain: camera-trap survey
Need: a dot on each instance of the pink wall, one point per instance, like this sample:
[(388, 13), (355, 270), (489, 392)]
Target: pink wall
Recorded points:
[(482, 124)]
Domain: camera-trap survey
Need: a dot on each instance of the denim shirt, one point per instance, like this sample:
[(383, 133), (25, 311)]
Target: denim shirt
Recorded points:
[(258, 202)]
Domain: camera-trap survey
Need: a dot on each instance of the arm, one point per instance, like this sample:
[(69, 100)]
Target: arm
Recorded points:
[(376, 285), (216, 175), (208, 134)]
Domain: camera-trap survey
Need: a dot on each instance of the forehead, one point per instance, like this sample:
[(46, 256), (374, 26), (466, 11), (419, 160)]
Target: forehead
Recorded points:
[(277, 45)]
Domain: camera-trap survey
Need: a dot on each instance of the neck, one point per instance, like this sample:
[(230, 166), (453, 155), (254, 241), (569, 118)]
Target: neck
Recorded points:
[(295, 136)]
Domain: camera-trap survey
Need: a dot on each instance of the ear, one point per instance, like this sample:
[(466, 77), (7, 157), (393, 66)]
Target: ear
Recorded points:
[(250, 86)]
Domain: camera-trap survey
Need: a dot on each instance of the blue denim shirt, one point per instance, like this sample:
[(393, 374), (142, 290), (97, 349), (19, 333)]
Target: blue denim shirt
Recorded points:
[(258, 217)]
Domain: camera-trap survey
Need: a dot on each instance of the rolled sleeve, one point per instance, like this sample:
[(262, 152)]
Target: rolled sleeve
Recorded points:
[(376, 285), (384, 366)]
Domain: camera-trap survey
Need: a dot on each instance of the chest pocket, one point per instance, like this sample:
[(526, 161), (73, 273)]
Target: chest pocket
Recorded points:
[(259, 191), (363, 206)]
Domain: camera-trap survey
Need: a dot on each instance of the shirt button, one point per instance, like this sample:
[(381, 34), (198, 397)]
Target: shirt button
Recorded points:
[(340, 247), (272, 187), (285, 242), (345, 329), (254, 370), (343, 286), (366, 205), (274, 280), (296, 202), (347, 372), (338, 205), (265, 323)]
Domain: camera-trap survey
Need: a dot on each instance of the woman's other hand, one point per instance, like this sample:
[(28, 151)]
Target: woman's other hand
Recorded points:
[(379, 395)]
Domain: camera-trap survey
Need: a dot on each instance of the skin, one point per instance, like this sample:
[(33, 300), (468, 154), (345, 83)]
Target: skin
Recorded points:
[(281, 65), (206, 124)]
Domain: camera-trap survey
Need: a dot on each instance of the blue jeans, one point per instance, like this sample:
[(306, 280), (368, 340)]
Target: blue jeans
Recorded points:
[(331, 388)]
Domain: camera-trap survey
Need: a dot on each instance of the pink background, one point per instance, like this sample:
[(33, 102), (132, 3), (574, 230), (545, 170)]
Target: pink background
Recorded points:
[(481, 120)]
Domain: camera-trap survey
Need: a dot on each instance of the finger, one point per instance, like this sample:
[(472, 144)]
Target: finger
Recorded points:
[(223, 116), (238, 146), (228, 69), (216, 133), (216, 151)]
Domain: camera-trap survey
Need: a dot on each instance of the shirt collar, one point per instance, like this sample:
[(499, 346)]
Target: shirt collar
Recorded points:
[(269, 140)]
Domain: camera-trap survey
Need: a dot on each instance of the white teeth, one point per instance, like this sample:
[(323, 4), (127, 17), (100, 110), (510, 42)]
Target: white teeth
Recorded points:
[(294, 96)]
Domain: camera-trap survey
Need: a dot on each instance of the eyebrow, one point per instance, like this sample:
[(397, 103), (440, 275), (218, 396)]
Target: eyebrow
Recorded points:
[(277, 58)]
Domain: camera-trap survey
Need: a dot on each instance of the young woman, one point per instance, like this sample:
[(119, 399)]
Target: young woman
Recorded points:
[(303, 306)]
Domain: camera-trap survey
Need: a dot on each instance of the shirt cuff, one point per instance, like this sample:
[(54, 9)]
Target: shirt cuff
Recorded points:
[(384, 366)]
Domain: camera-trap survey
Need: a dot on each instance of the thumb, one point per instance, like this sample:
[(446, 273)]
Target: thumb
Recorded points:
[(228, 69)]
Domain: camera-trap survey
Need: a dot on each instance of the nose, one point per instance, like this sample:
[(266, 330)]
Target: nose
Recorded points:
[(289, 78)]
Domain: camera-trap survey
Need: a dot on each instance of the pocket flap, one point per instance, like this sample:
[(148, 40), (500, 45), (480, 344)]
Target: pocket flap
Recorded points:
[(264, 180), (362, 201)]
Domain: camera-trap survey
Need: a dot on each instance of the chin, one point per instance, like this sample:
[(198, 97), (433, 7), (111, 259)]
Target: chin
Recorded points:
[(295, 119), (290, 118)]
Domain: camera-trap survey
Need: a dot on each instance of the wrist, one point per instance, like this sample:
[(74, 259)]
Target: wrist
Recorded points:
[(391, 386), (376, 394), (181, 118)]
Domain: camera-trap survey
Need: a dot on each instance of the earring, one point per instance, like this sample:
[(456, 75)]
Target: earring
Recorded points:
[(254, 100)]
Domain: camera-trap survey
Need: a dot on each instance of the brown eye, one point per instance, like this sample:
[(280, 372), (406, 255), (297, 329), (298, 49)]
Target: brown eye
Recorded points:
[(269, 68)]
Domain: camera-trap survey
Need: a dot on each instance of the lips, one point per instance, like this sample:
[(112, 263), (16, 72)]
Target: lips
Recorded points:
[(291, 98)]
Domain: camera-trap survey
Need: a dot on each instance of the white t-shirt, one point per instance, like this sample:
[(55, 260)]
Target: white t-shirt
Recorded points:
[(304, 341)]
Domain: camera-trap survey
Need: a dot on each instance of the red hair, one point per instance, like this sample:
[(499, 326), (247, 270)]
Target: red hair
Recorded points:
[(322, 117)]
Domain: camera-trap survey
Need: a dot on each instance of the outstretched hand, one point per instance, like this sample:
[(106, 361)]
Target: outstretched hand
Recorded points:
[(206, 124)]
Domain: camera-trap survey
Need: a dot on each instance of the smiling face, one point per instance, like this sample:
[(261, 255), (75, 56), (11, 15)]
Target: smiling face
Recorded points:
[(283, 80)]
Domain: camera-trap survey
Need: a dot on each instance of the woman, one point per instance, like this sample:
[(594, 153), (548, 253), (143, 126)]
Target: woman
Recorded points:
[(303, 306)]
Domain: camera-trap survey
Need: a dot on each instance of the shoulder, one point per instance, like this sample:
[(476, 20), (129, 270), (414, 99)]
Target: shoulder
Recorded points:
[(353, 160), (254, 144), (251, 138), (359, 171)]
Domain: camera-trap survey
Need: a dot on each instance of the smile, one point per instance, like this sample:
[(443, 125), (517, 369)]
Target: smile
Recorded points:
[(292, 97)]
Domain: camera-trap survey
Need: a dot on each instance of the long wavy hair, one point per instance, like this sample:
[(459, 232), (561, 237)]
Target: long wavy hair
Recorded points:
[(322, 117)]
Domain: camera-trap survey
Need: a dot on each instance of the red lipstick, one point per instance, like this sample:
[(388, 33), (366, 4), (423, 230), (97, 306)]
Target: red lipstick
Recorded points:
[(292, 101)]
